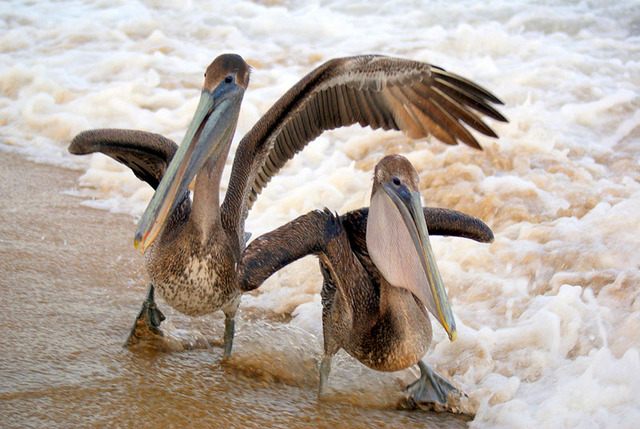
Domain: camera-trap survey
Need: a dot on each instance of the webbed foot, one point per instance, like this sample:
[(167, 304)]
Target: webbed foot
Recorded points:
[(146, 328), (147, 333), (432, 392)]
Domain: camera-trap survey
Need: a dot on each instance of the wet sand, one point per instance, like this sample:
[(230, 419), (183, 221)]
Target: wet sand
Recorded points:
[(72, 285)]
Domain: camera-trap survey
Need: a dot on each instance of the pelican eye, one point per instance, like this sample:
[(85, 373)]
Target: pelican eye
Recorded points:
[(396, 181), (228, 79)]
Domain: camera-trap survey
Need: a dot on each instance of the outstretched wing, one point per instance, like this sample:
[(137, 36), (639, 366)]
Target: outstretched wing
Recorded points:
[(381, 92), (439, 221), (312, 233), (146, 154)]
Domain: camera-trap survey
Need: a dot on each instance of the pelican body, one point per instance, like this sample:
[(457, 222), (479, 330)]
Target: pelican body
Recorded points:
[(380, 276), (190, 257), (192, 247)]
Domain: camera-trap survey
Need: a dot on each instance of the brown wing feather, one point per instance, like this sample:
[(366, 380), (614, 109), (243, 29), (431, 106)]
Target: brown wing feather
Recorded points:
[(439, 221), (146, 154), (381, 92), (311, 233)]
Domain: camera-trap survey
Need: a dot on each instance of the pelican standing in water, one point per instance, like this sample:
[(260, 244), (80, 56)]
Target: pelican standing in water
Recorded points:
[(191, 248), (380, 276)]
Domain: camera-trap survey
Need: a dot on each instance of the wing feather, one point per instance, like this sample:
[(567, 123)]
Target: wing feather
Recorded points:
[(381, 92), (146, 154)]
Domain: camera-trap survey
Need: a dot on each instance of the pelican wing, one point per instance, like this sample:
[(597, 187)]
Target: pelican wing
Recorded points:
[(310, 233), (440, 221), (306, 235), (381, 92), (146, 154)]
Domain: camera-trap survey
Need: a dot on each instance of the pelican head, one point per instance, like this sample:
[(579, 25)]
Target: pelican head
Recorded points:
[(398, 240), (208, 136)]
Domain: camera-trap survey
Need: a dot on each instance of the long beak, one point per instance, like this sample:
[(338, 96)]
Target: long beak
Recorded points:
[(210, 130), (424, 280)]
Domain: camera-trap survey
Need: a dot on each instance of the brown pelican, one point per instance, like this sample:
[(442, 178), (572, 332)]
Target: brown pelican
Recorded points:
[(380, 275), (193, 247)]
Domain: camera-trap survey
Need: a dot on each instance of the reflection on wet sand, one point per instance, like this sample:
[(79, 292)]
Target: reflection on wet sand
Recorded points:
[(71, 282)]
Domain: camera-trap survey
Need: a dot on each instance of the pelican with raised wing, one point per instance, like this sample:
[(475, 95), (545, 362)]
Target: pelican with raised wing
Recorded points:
[(191, 248), (380, 276)]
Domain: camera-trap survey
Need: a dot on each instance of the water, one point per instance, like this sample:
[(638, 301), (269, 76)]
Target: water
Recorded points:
[(548, 314)]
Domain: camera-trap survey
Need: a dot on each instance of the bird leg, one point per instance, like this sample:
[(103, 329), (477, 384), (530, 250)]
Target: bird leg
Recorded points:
[(431, 391), (229, 325), (229, 331), (325, 369), (147, 325)]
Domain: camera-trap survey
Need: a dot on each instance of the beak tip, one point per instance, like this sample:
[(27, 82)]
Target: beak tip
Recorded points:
[(137, 243), (453, 334)]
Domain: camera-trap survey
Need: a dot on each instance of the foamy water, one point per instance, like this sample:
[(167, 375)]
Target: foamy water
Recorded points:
[(548, 315)]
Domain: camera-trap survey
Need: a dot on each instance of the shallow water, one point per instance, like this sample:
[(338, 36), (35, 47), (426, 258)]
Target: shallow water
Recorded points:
[(547, 315)]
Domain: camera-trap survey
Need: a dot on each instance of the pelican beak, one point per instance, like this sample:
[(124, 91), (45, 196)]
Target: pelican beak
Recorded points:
[(208, 135), (408, 260)]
